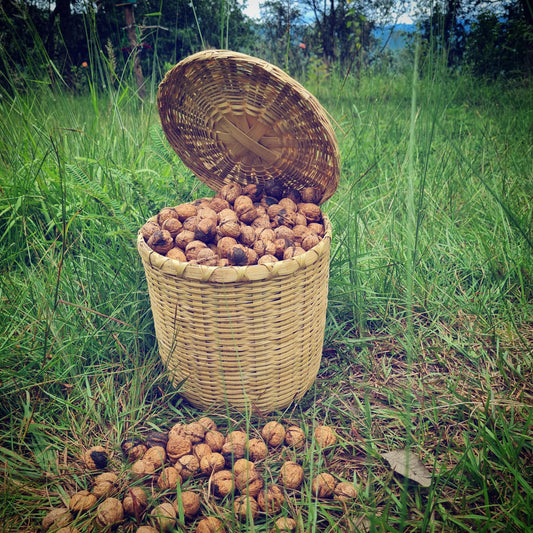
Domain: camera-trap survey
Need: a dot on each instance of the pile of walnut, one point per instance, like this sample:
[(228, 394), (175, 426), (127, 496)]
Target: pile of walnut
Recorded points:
[(155, 496), (239, 226)]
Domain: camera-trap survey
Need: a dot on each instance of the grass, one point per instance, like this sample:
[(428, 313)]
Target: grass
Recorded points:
[(429, 327)]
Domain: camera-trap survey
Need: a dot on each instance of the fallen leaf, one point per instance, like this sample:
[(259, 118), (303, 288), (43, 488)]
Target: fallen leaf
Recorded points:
[(409, 465)]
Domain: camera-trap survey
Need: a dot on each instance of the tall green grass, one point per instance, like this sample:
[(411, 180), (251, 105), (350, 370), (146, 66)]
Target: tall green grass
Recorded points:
[(429, 327)]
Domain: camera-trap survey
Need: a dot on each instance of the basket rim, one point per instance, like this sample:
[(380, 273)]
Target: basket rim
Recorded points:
[(233, 274), (221, 121)]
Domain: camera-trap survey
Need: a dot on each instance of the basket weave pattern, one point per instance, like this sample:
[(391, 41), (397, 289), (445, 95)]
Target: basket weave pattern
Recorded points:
[(249, 336), (235, 118)]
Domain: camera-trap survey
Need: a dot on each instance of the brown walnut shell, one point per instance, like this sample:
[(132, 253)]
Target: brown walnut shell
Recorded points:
[(310, 211), (190, 503), (186, 211), (291, 475), (177, 254), (135, 501), (237, 255), (267, 258), (323, 485), (312, 195), (271, 499), (110, 512), (210, 524), (82, 500), (165, 214), (149, 228), (222, 483), (273, 433), (95, 458), (172, 225), (193, 248), (161, 242), (245, 505), (183, 238), (230, 192)]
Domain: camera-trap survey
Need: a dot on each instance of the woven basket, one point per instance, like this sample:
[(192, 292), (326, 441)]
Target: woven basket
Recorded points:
[(247, 337)]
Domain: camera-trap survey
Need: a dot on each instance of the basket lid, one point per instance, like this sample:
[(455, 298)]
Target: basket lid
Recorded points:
[(231, 117)]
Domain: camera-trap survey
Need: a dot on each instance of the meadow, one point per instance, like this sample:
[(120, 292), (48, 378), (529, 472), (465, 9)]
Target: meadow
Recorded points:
[(429, 332)]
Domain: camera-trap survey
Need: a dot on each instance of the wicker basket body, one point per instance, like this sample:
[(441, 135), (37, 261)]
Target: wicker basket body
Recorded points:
[(249, 336)]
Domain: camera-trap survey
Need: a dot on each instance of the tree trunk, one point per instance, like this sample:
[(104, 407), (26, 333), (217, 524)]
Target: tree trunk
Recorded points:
[(132, 38)]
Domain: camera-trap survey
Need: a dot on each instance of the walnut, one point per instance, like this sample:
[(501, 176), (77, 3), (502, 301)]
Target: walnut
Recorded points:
[(325, 436), (212, 462), (133, 449), (178, 446), (273, 433), (264, 247), (135, 501), (156, 438), (183, 238), (207, 423), (142, 468), (210, 524), (190, 465), (233, 451), (254, 191), (291, 475), (271, 499), (300, 220), (238, 255), (169, 478), (230, 192), (245, 209), (273, 211), (161, 242), (214, 439), (227, 215), (300, 232), (310, 211), (310, 241), (242, 464), (284, 525), (105, 484), (294, 195), (344, 491), (246, 506), (95, 458), (82, 500), (185, 211), (317, 228), (229, 228), (195, 432), (261, 222), (237, 437), (323, 485), (280, 246), (294, 436), (224, 245), (146, 529), (249, 482), (293, 251), (222, 483), (312, 195), (267, 258), (266, 234), (283, 232), (251, 256), (207, 257), (247, 236), (149, 228), (289, 204), (189, 501), (274, 188), (172, 225), (57, 518), (202, 202), (109, 513), (177, 430), (155, 455), (257, 450), (189, 224), (205, 230), (164, 517), (285, 217), (207, 212), (201, 450), (177, 254), (165, 214), (223, 262), (192, 249), (267, 201), (218, 204)]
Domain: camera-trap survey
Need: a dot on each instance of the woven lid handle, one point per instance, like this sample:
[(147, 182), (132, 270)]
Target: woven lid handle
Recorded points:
[(238, 142)]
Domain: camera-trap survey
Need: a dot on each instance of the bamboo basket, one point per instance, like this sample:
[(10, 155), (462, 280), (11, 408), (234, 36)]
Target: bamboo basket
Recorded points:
[(248, 337)]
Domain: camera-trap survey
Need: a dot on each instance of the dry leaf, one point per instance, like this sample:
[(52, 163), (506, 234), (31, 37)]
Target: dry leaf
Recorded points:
[(409, 465)]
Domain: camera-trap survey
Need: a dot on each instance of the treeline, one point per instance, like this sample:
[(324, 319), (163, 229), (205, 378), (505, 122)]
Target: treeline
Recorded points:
[(66, 40)]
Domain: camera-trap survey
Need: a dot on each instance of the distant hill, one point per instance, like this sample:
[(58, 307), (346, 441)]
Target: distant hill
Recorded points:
[(400, 35)]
